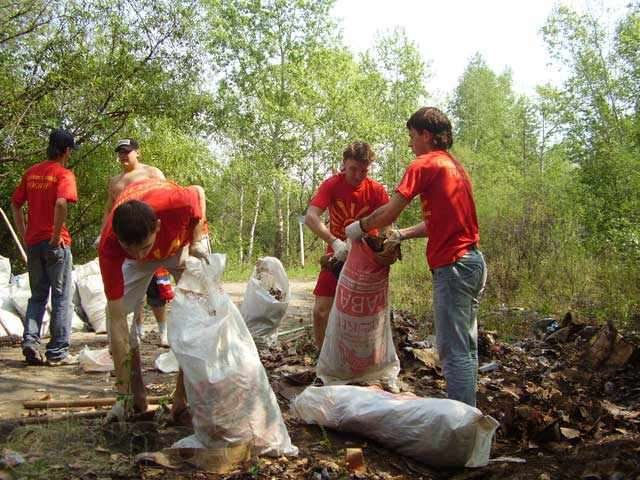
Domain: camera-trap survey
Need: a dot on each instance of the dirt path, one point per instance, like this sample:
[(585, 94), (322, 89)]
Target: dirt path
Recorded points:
[(20, 382)]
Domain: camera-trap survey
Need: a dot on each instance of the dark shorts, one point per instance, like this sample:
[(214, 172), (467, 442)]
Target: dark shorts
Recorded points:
[(154, 299), (326, 284)]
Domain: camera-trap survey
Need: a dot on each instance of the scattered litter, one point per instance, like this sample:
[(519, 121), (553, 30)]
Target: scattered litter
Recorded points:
[(507, 460), (95, 360), (10, 458), (167, 362)]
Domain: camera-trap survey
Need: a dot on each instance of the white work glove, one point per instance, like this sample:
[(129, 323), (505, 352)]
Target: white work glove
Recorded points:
[(96, 242), (200, 249), (354, 230), (340, 249)]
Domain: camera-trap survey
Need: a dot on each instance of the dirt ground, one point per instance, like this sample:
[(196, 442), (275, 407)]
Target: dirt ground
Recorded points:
[(567, 398), (20, 382)]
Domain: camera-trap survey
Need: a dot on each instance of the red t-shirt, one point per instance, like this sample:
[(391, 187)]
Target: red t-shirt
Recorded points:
[(448, 208), (41, 185), (177, 208), (347, 203)]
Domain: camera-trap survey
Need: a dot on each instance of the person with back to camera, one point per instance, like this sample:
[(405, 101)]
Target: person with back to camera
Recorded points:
[(47, 188), (133, 170)]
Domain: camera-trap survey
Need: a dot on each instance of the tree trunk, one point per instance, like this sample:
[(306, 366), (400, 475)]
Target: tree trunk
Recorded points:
[(240, 227), (277, 200), (288, 223), (253, 224)]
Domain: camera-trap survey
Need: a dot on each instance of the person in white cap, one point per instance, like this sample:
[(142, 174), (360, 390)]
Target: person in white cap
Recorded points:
[(133, 170)]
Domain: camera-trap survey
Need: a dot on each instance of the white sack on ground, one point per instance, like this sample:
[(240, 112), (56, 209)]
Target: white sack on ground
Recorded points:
[(10, 321), (437, 432), (95, 360), (5, 271), (358, 345), (266, 299), (167, 362), (227, 387), (92, 297)]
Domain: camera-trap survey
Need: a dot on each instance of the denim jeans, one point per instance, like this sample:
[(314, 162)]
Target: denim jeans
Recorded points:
[(457, 289), (49, 271)]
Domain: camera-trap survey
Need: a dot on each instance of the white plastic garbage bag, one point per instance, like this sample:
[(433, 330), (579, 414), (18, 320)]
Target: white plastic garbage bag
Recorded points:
[(167, 362), (92, 297), (266, 299), (358, 345), (227, 387), (438, 432), (10, 321), (5, 271), (95, 360)]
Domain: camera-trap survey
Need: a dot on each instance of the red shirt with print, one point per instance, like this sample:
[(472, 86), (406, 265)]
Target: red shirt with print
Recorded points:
[(177, 208), (347, 203), (40, 187), (448, 208)]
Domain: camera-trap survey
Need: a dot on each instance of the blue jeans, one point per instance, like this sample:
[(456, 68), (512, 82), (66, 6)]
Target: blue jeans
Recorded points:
[(49, 271), (457, 289)]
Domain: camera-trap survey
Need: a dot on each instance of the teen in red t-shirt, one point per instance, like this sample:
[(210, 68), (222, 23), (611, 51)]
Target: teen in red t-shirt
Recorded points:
[(349, 195), (449, 220), (153, 224), (47, 188)]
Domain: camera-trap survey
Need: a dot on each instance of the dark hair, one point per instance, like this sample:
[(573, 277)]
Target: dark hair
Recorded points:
[(435, 122), (359, 151), (59, 141), (133, 222)]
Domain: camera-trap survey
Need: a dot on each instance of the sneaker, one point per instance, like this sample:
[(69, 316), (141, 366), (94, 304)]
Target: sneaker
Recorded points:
[(32, 356), (68, 360)]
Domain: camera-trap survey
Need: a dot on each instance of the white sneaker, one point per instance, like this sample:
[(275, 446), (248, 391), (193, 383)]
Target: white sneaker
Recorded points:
[(162, 330)]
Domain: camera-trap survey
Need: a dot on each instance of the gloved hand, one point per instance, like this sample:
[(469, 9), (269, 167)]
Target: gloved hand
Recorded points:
[(340, 249), (354, 231), (96, 242), (390, 252), (200, 249)]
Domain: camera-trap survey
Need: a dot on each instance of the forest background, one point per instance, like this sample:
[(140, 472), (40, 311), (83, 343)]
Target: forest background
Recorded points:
[(255, 101)]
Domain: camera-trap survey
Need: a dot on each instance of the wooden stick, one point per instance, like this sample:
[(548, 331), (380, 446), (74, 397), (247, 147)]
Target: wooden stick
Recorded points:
[(17, 422), (82, 403), (14, 235)]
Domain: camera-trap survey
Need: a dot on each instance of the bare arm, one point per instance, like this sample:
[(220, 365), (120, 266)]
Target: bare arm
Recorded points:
[(18, 219), (59, 216), (314, 221), (418, 230), (198, 229), (386, 214)]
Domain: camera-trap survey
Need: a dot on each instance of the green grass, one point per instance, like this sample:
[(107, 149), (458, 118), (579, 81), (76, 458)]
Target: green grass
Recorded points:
[(54, 450)]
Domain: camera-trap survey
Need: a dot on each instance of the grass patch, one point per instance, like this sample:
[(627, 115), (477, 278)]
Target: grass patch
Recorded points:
[(65, 450)]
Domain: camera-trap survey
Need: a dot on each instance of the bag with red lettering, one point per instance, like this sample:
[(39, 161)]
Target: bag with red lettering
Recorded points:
[(358, 345)]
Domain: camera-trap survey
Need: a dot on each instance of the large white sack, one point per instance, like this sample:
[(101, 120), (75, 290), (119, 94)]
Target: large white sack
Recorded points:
[(10, 321), (227, 387), (438, 432), (20, 293), (261, 310), (358, 345), (5, 271), (92, 297)]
